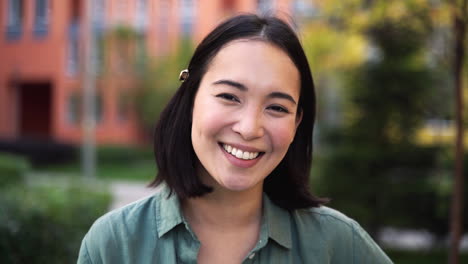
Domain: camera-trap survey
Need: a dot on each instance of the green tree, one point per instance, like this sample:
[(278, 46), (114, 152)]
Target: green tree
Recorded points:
[(158, 81), (372, 169), (375, 164)]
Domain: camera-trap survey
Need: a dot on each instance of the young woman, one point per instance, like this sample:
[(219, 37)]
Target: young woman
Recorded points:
[(234, 149)]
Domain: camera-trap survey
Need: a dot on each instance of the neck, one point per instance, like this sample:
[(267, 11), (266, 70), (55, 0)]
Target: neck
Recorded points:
[(224, 208)]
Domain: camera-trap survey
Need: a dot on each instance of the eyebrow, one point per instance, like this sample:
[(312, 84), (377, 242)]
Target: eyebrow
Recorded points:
[(234, 84), (242, 87)]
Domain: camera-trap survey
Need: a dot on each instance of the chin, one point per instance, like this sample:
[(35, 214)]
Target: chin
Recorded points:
[(238, 186)]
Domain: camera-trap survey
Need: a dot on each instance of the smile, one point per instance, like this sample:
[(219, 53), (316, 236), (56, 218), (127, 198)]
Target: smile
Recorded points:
[(240, 154)]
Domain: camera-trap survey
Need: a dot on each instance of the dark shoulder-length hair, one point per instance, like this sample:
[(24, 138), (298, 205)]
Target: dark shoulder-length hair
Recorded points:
[(288, 184)]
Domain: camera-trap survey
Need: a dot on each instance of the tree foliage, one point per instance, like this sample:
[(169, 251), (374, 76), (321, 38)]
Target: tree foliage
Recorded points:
[(159, 79), (371, 167)]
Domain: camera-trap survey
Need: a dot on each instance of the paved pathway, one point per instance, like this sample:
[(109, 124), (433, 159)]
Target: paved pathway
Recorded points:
[(126, 192)]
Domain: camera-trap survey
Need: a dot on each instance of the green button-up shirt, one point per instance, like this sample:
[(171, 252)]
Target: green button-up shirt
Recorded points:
[(153, 230)]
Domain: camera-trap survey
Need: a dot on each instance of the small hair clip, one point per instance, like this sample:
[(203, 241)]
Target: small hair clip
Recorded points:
[(184, 74)]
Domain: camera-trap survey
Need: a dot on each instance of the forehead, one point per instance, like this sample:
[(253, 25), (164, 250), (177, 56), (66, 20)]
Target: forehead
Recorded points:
[(255, 63)]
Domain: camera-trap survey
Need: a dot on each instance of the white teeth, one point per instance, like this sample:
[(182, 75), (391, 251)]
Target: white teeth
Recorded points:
[(239, 153), (234, 151)]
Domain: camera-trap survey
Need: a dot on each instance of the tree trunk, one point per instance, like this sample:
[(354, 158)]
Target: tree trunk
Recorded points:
[(459, 30)]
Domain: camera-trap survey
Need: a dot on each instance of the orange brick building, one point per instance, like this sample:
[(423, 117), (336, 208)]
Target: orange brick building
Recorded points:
[(41, 60)]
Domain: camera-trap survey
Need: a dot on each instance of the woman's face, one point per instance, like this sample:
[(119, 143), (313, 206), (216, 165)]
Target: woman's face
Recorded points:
[(245, 114)]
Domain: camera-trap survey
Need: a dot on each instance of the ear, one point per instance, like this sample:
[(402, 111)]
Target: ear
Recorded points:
[(298, 117)]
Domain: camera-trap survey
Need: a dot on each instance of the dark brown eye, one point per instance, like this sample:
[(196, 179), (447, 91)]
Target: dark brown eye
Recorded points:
[(228, 97), (278, 108)]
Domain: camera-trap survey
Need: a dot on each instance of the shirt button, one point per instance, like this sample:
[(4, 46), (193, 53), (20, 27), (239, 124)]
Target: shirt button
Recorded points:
[(252, 256)]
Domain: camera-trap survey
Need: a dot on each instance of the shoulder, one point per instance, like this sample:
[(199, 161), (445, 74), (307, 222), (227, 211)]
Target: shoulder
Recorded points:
[(326, 213), (326, 217), (344, 237), (328, 222), (126, 219), (113, 233)]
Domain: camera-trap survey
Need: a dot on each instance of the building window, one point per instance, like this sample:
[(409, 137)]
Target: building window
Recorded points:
[(123, 107), (99, 109), (98, 59), (265, 6), (14, 19), (141, 17), (73, 49), (73, 38), (304, 10), (41, 18), (187, 15), (75, 11), (99, 9), (98, 28), (73, 108)]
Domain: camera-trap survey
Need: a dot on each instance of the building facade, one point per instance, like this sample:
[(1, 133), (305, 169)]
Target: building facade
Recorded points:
[(41, 51)]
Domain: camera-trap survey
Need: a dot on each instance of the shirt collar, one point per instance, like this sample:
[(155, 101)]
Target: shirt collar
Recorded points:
[(168, 211), (276, 219), (278, 222)]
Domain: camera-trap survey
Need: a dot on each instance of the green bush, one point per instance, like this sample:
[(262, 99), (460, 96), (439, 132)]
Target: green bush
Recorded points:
[(122, 154), (45, 224), (382, 188), (12, 169), (40, 152)]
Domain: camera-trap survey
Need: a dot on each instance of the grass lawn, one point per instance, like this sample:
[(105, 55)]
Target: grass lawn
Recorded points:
[(143, 170)]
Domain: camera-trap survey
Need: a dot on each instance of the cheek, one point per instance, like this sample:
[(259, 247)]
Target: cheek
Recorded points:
[(283, 135), (207, 122)]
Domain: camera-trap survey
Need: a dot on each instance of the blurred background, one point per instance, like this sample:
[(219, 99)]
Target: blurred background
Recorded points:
[(83, 82)]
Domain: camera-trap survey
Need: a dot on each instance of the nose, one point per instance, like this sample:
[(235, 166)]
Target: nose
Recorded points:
[(249, 125)]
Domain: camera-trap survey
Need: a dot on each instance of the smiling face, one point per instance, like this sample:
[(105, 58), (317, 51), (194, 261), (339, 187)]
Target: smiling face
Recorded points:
[(245, 114)]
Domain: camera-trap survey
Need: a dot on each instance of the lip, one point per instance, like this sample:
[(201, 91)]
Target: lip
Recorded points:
[(240, 162)]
